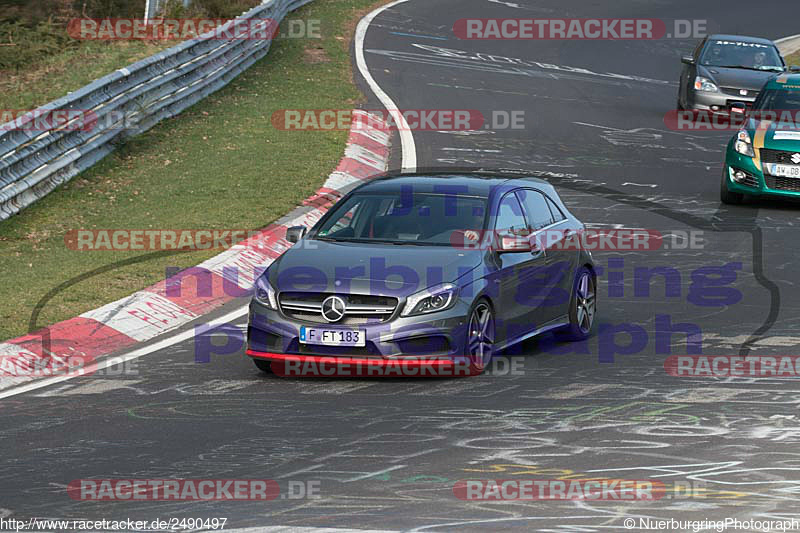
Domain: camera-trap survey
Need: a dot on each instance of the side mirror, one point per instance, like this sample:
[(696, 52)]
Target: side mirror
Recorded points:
[(794, 68), (295, 233), (687, 60), (514, 244)]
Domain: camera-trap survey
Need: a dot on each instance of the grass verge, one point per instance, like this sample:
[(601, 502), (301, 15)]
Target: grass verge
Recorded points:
[(40, 61), (220, 164), (793, 59), (56, 75)]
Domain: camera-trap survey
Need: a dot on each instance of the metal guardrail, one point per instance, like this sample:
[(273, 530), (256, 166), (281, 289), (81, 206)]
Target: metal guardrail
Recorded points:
[(122, 104)]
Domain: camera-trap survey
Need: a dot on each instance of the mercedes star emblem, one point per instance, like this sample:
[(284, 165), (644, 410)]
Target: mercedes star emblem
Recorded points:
[(333, 309)]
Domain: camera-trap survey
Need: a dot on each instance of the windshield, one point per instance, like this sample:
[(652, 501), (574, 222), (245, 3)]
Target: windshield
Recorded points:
[(736, 54), (778, 100), (423, 219)]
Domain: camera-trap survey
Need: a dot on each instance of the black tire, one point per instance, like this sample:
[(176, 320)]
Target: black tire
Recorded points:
[(480, 336), (263, 365), (726, 196), (582, 307)]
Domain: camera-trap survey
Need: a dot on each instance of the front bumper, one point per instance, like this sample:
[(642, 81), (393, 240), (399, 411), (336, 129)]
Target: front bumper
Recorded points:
[(437, 336), (758, 182), (718, 102)]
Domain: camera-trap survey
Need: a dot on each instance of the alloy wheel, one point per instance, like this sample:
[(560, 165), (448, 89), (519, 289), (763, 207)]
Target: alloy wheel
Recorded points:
[(481, 335), (585, 301)]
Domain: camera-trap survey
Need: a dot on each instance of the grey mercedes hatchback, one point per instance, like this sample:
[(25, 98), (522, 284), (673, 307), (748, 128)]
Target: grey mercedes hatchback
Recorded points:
[(427, 269)]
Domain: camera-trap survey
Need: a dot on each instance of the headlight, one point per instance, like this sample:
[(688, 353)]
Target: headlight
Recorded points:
[(705, 84), (265, 294), (744, 145), (432, 299)]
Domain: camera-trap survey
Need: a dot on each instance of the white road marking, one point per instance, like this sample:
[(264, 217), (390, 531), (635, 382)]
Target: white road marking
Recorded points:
[(96, 386), (409, 156), (651, 185), (509, 4), (134, 354)]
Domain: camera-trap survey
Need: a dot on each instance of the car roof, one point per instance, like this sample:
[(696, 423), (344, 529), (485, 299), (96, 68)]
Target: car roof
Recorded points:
[(739, 38), (479, 183)]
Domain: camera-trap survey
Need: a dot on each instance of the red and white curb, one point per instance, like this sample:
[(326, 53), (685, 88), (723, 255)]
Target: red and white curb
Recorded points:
[(160, 308)]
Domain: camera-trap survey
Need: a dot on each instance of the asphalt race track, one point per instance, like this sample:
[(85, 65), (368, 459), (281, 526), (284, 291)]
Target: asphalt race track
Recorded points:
[(386, 454)]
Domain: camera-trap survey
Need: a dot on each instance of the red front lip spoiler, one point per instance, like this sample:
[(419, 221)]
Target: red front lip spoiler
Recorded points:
[(350, 360), (331, 366)]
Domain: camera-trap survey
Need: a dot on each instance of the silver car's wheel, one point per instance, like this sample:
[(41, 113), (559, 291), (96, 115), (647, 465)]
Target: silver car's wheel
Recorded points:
[(480, 337)]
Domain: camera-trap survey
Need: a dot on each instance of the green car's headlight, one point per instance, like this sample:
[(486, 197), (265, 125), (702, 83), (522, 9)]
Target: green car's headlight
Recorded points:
[(432, 299), (744, 144)]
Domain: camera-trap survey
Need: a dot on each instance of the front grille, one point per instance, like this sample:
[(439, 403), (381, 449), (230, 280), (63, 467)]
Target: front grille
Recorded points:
[(782, 184), (734, 91), (777, 156), (359, 308)]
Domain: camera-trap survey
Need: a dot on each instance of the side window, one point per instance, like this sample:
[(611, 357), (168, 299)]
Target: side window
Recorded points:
[(536, 210), (509, 216), (558, 216)]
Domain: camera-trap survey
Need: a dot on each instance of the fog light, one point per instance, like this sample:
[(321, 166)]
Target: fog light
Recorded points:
[(738, 176), (715, 108)]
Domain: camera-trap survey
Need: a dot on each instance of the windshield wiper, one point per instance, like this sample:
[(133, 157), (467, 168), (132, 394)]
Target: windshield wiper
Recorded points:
[(376, 241), (331, 239), (396, 242), (745, 67)]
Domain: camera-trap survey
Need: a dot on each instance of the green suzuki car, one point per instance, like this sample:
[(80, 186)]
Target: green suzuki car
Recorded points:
[(763, 158)]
